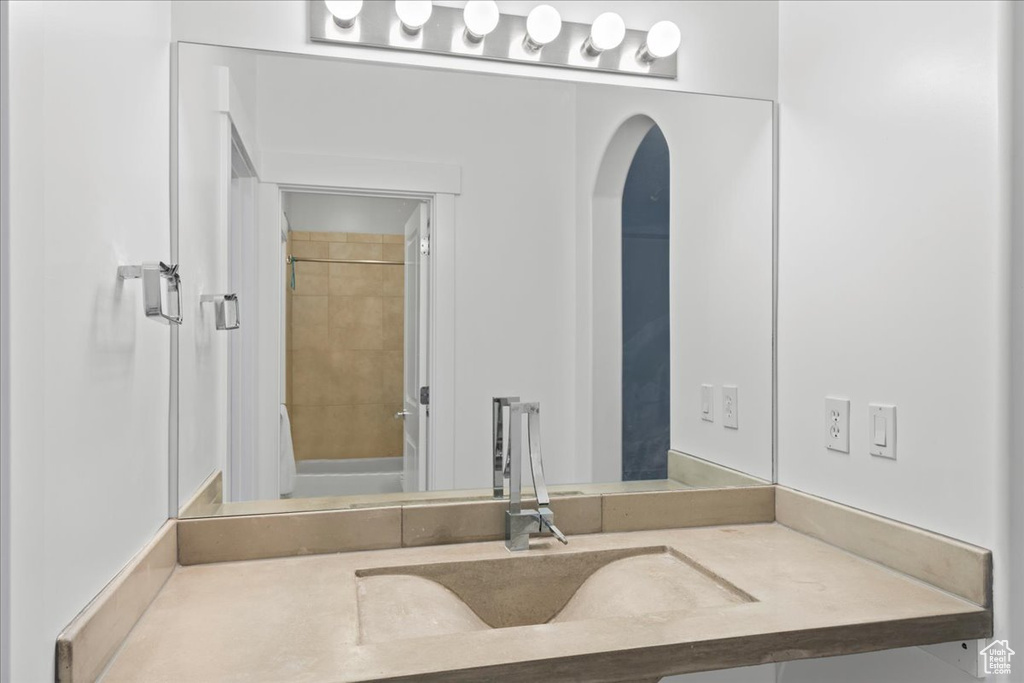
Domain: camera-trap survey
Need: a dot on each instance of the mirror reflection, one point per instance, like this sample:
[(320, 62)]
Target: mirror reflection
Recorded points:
[(402, 246)]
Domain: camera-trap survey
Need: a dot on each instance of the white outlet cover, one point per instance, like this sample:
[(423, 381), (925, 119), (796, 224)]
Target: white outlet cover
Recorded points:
[(707, 402), (837, 424), (882, 430), (730, 407)]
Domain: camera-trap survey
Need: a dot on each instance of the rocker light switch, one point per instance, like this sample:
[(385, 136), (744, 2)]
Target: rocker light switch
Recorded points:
[(883, 430), (707, 403)]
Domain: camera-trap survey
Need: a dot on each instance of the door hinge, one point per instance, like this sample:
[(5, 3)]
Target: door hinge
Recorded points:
[(425, 245), (424, 396)]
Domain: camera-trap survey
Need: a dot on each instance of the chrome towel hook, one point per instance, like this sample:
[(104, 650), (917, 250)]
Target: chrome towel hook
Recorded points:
[(225, 309), (155, 292)]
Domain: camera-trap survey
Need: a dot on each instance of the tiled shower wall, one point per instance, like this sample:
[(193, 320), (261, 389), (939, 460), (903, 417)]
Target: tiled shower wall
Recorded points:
[(344, 340)]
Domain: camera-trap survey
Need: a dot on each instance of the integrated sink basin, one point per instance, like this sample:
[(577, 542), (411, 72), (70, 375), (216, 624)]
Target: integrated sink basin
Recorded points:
[(456, 597)]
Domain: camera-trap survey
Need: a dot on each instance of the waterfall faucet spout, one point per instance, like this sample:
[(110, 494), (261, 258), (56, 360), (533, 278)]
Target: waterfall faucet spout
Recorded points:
[(521, 524)]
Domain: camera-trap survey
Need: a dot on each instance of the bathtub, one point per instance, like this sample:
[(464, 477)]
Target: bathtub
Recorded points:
[(318, 478)]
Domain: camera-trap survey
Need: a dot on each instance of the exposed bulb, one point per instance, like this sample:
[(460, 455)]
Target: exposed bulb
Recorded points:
[(543, 25), (606, 33), (481, 17), (662, 41), (344, 11), (413, 14)]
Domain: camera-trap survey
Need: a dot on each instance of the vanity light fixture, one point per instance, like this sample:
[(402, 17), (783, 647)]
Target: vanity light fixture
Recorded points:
[(662, 41), (481, 17), (543, 25), (479, 30), (344, 11), (413, 14), (606, 33)]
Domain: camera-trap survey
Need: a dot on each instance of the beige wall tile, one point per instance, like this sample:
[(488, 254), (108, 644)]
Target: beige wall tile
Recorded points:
[(298, 235), (393, 280), (319, 236), (362, 431), (309, 370), (695, 507), (89, 642), (393, 322), (224, 539), (364, 237), (393, 239), (307, 311), (349, 250), (353, 279), (310, 279), (394, 252), (309, 249), (392, 367), (356, 378), (309, 338), (311, 433), (356, 322)]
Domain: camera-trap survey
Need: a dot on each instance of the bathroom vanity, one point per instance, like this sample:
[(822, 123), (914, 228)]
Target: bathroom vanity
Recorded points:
[(650, 585)]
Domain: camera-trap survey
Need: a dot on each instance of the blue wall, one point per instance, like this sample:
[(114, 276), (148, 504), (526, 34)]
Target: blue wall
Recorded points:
[(645, 300)]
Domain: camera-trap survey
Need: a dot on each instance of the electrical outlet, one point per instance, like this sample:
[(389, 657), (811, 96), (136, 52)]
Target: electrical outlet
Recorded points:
[(730, 407), (707, 403), (837, 424)]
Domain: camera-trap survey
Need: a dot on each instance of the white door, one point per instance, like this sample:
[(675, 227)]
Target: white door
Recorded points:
[(414, 451)]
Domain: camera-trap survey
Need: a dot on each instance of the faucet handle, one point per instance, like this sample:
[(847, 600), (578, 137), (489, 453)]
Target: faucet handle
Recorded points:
[(544, 516)]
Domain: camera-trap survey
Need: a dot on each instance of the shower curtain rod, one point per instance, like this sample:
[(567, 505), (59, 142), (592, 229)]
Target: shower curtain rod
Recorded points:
[(294, 259)]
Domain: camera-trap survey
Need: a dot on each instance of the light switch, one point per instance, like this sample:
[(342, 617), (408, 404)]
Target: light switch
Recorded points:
[(707, 403), (730, 407), (879, 421), (882, 419)]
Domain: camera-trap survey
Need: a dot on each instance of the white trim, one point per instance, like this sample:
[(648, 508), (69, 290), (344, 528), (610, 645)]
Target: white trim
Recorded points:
[(5, 356), (317, 170)]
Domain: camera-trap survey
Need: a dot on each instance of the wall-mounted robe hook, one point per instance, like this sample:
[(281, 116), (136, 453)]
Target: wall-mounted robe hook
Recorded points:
[(226, 310), (160, 283)]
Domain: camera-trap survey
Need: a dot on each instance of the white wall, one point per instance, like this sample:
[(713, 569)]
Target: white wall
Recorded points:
[(729, 48), (720, 274), (894, 267), (89, 388)]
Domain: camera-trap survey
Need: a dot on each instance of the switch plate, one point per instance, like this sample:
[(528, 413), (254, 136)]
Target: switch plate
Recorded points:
[(837, 424), (730, 407), (882, 428), (707, 402)]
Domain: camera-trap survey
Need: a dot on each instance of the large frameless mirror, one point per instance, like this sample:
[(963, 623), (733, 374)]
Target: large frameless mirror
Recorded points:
[(399, 246)]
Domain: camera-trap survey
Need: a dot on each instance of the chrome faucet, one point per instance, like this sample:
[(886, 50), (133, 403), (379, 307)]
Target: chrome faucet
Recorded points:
[(508, 458)]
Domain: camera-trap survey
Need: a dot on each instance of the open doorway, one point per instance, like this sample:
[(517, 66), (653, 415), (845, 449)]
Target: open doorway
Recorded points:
[(356, 321)]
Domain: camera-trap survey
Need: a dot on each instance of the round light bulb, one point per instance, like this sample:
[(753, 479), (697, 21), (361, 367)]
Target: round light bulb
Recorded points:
[(481, 17), (344, 11), (606, 33), (413, 13), (543, 25), (662, 41)]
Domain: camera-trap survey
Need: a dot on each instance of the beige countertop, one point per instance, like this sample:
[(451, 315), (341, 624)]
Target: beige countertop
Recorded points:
[(297, 619)]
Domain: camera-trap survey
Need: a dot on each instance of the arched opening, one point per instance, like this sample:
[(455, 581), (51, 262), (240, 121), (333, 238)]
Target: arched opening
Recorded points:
[(629, 364), (645, 312)]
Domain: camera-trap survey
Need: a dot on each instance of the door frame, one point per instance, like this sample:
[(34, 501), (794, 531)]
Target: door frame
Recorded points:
[(438, 184)]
